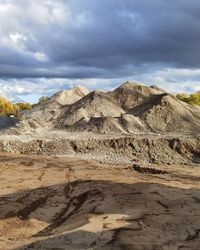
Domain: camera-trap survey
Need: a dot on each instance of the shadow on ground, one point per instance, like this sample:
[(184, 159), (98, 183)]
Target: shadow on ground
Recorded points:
[(7, 122), (103, 215)]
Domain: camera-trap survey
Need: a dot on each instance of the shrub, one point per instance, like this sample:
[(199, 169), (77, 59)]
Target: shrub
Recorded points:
[(24, 106), (8, 108), (43, 99), (193, 99)]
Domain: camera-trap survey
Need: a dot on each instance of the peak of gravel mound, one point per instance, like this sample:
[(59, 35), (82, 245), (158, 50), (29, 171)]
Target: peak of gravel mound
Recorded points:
[(130, 94), (166, 113), (95, 104), (67, 97), (157, 88), (45, 114)]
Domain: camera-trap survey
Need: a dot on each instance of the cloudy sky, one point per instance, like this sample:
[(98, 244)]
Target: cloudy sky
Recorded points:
[(48, 45)]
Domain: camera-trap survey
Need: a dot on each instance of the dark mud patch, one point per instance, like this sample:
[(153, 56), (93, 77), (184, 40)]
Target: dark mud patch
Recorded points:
[(145, 170)]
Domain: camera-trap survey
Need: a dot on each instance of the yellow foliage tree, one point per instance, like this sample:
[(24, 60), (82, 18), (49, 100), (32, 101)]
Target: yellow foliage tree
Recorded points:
[(24, 105), (6, 107)]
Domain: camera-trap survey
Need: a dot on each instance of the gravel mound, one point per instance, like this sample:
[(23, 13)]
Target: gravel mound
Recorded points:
[(45, 114), (167, 114), (130, 108), (67, 97), (95, 104), (130, 94)]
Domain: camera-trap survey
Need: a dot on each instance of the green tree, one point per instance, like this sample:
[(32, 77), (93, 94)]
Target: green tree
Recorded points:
[(43, 99)]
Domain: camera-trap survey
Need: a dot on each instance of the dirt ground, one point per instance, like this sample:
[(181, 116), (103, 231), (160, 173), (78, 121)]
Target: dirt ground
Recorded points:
[(66, 203)]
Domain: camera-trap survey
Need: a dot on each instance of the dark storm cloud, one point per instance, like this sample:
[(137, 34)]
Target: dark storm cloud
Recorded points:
[(97, 38)]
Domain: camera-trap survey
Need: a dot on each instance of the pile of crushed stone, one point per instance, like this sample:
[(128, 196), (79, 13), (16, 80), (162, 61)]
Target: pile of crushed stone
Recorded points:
[(130, 108)]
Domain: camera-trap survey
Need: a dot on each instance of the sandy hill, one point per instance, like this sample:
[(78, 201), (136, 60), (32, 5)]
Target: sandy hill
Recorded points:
[(67, 97), (95, 104), (46, 113), (130, 108), (64, 97), (166, 113)]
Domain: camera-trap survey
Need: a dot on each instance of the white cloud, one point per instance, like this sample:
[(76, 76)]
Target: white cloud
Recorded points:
[(22, 23), (17, 37), (171, 80), (177, 80), (31, 89), (96, 39), (40, 56)]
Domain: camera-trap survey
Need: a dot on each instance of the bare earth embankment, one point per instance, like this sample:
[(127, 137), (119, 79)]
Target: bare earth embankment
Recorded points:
[(111, 148), (102, 170)]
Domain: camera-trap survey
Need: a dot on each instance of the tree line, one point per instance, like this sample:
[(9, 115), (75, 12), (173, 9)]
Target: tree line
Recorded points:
[(9, 108)]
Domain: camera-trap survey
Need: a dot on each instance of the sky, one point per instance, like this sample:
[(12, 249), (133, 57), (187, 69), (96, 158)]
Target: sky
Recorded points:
[(48, 45)]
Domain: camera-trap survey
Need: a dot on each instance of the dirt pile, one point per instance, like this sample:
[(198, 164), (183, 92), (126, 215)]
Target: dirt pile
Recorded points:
[(67, 97), (167, 114), (130, 108), (46, 113), (131, 94), (95, 104)]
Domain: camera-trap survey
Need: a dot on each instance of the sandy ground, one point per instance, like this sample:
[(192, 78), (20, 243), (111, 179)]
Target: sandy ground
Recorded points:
[(65, 203)]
